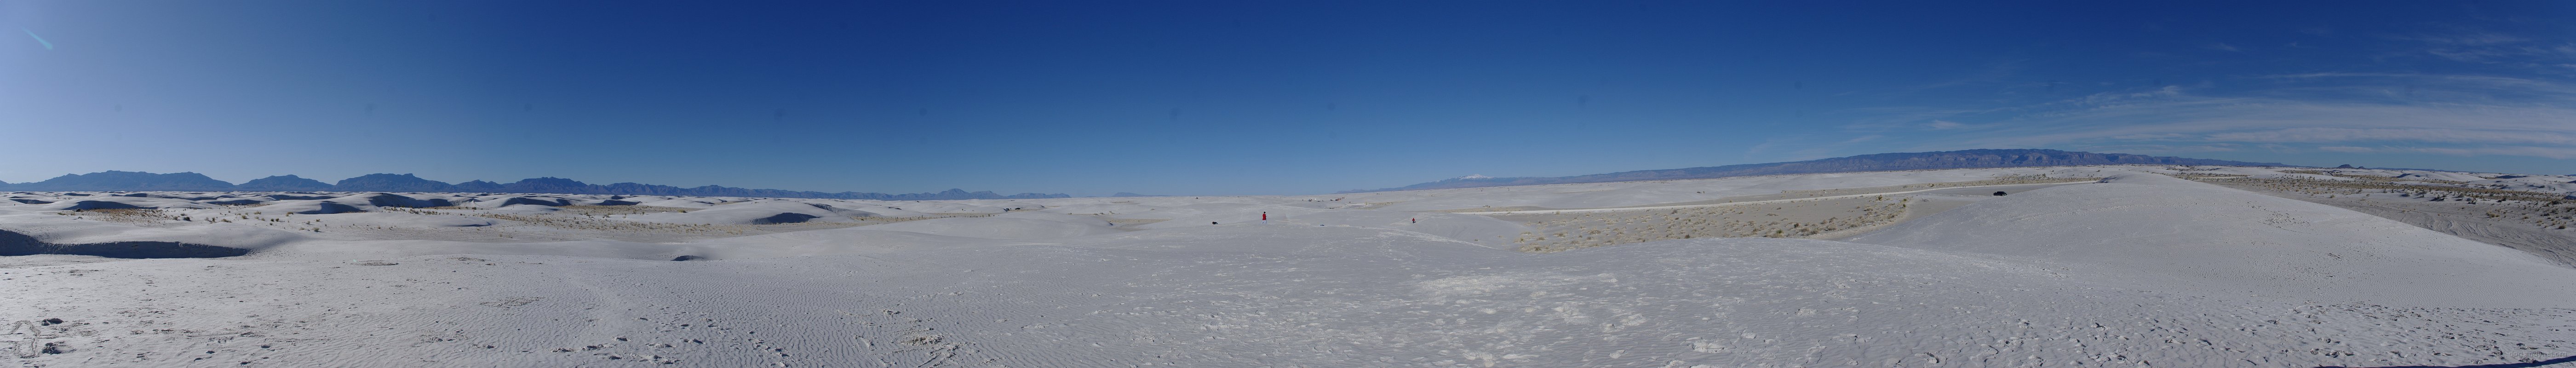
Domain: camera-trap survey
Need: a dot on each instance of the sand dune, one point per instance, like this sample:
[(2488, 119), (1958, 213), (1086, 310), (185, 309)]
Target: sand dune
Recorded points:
[(1000, 227), (2203, 236), (2139, 270)]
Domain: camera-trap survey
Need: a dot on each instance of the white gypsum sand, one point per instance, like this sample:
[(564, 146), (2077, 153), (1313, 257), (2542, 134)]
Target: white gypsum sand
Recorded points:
[(2519, 217), (2141, 270)]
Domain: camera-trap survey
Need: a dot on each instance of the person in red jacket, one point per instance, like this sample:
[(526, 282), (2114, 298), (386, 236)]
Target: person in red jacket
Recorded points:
[(1265, 217)]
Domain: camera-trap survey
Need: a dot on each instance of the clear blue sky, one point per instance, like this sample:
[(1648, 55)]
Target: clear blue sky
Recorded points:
[(1243, 97)]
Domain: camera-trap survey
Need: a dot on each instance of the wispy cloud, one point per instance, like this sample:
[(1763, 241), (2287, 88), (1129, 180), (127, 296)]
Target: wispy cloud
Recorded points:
[(2464, 38), (2547, 152), (2512, 95), (2463, 115), (2107, 98), (41, 40), (2490, 48), (2340, 135)]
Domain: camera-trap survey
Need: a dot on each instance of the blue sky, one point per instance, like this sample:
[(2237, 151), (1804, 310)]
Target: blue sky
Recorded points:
[(1177, 97)]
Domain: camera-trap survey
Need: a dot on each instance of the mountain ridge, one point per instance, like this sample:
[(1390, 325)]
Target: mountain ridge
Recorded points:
[(113, 180), (1961, 159)]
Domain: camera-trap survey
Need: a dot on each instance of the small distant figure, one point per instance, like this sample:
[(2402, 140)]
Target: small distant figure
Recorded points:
[(1265, 218), (1416, 220), (1211, 222), (1999, 193)]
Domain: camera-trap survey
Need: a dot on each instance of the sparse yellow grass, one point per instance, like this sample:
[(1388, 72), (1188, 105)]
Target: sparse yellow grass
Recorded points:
[(617, 210), (132, 216), (2546, 210), (2197, 176), (2005, 180), (604, 224), (1133, 222), (1598, 229)]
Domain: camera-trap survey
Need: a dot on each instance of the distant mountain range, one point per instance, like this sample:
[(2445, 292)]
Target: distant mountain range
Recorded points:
[(1967, 159), (189, 181)]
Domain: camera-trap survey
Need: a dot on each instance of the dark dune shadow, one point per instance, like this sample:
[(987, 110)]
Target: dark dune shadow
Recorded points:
[(2544, 363), (784, 218), (15, 244)]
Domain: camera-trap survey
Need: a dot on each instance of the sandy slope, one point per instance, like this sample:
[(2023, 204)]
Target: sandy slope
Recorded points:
[(2142, 271), (2205, 237), (2465, 220)]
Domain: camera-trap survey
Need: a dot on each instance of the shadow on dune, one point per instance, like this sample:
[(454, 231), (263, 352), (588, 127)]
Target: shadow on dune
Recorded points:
[(16, 244), (2544, 363), (784, 218)]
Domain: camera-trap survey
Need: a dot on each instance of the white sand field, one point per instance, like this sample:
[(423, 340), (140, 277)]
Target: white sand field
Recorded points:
[(2137, 269)]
